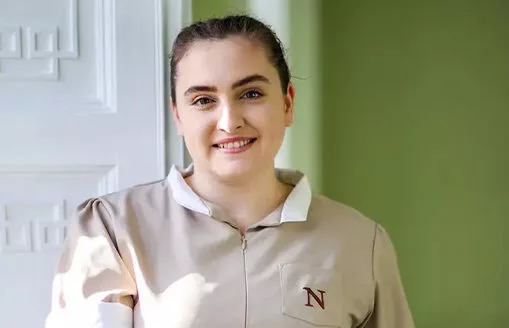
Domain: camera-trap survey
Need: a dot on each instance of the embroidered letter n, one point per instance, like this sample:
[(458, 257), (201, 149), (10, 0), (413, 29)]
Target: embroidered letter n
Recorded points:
[(320, 300)]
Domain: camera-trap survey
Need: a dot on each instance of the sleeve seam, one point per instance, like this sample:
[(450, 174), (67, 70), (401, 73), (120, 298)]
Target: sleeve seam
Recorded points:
[(373, 250), (117, 249), (372, 310), (112, 220)]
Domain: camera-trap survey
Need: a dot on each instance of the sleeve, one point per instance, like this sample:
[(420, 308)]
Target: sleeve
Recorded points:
[(92, 287), (391, 308)]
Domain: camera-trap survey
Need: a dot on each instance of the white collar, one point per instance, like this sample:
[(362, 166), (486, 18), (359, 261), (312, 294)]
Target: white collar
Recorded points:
[(295, 207)]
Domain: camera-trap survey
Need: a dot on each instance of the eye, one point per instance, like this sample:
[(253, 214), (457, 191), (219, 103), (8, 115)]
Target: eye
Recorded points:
[(202, 101), (252, 94)]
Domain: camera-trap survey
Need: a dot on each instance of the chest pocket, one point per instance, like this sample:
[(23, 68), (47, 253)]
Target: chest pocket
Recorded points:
[(312, 295)]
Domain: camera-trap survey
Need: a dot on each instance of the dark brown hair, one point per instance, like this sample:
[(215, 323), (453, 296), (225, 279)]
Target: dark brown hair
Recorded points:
[(221, 28)]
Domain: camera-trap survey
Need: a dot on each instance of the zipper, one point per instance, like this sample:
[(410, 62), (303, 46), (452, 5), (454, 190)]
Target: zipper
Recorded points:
[(244, 246)]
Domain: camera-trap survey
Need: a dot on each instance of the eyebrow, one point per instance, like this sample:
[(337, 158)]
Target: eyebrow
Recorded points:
[(249, 79), (199, 88), (237, 84)]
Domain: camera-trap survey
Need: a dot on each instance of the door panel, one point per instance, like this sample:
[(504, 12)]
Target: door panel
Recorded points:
[(82, 113)]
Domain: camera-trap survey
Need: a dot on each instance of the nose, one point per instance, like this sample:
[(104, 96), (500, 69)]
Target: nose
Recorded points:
[(231, 119)]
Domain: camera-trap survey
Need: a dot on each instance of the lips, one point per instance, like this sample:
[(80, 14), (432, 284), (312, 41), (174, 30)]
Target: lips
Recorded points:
[(232, 141), (234, 145)]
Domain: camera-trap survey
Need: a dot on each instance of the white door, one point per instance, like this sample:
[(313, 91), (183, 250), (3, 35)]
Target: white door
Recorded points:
[(82, 113)]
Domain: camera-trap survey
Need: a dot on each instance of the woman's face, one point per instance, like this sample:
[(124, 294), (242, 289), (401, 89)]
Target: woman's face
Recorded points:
[(230, 107)]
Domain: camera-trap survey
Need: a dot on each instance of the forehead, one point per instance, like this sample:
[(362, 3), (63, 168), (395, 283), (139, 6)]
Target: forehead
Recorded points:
[(221, 62)]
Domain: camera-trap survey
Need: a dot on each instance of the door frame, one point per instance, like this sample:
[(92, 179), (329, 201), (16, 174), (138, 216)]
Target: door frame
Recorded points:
[(170, 17)]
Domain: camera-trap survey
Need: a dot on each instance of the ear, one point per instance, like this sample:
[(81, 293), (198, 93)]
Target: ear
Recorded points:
[(176, 118), (289, 103)]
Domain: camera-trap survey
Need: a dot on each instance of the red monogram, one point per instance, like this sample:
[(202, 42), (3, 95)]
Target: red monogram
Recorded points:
[(320, 300)]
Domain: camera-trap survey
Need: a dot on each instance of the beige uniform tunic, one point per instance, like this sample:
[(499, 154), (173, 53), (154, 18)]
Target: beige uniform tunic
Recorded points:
[(156, 255)]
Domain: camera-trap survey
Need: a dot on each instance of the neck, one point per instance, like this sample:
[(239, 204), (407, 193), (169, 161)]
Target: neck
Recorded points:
[(245, 201)]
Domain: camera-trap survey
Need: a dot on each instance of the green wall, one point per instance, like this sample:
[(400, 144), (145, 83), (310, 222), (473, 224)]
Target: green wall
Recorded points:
[(415, 134), (304, 52), (403, 112), (203, 9)]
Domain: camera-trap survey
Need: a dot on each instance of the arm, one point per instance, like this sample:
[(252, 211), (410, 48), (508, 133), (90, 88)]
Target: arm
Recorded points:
[(391, 307), (92, 287)]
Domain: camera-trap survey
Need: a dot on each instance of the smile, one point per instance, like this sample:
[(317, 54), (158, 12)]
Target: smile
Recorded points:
[(235, 146)]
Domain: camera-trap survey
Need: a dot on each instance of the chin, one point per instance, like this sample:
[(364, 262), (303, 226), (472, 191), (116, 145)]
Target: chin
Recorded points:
[(233, 171)]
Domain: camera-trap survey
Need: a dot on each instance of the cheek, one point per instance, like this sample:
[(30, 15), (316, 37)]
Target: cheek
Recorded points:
[(275, 118), (197, 130), (271, 124)]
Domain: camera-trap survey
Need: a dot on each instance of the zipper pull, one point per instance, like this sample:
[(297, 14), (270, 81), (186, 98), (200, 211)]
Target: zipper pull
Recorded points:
[(244, 243)]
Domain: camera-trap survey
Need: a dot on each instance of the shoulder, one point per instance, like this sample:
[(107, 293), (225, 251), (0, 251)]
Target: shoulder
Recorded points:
[(329, 209), (133, 213), (125, 207), (147, 194), (342, 219)]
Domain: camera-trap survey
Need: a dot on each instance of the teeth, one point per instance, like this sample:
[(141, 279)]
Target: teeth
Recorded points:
[(236, 144)]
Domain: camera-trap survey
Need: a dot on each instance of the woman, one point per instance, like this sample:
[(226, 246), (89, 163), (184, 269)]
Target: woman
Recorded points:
[(230, 241)]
